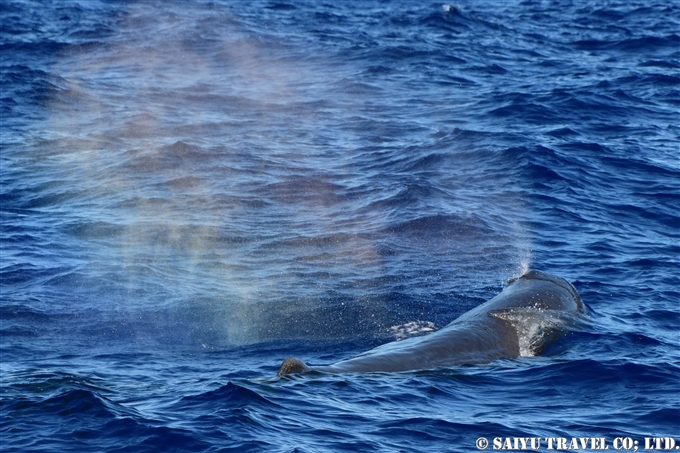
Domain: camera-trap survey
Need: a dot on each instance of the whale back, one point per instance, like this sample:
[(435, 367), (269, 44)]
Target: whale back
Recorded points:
[(532, 311), (533, 290), (539, 307)]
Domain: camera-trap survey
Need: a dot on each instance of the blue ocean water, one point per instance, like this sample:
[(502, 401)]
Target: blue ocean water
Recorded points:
[(193, 191)]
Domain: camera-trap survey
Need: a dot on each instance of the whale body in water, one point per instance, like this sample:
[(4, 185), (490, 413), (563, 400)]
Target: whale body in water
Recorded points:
[(531, 312)]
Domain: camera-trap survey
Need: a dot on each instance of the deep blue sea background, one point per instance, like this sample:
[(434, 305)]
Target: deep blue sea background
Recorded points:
[(193, 191)]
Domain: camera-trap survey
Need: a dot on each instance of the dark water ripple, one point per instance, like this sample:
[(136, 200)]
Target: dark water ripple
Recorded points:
[(190, 194)]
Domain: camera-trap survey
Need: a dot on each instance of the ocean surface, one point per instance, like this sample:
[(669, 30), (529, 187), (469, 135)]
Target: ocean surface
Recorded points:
[(193, 191)]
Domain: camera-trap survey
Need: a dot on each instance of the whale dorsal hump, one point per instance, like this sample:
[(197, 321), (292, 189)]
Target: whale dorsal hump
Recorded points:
[(292, 365)]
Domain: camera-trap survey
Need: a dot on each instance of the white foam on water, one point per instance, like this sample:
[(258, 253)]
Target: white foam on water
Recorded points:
[(411, 329)]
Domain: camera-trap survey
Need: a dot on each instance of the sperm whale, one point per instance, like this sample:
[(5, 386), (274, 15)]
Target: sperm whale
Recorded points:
[(531, 312)]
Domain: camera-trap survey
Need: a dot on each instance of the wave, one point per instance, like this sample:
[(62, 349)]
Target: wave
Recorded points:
[(229, 396), (647, 43), (86, 419)]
